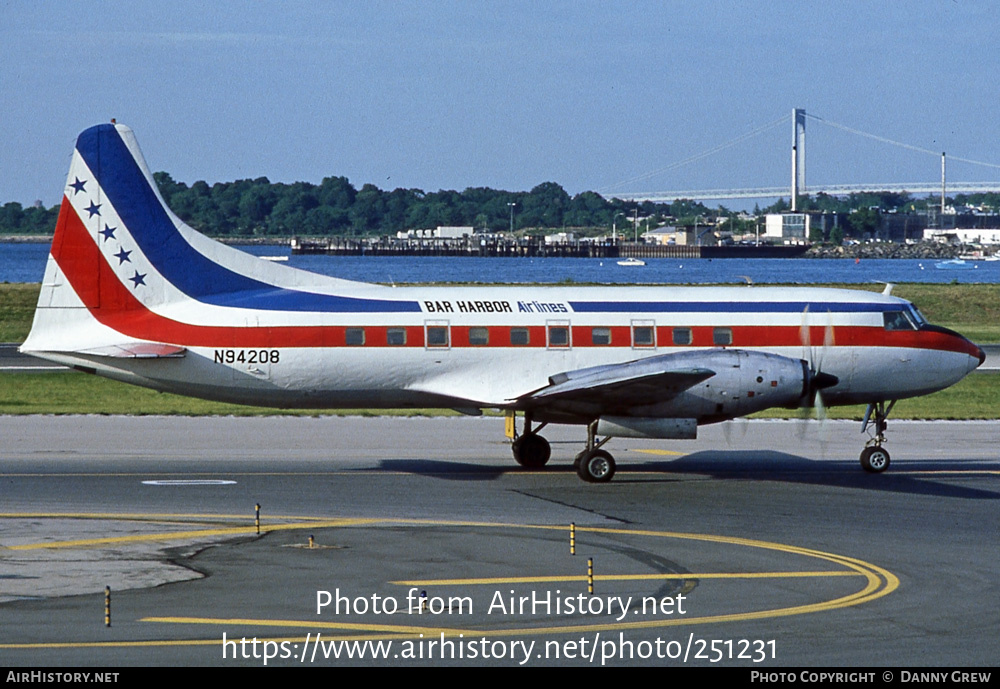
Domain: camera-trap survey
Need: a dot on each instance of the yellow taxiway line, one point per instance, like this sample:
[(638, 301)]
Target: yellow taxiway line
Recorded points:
[(879, 582)]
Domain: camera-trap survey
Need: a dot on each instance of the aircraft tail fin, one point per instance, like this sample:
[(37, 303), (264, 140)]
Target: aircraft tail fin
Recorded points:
[(117, 243), (123, 264), (96, 265)]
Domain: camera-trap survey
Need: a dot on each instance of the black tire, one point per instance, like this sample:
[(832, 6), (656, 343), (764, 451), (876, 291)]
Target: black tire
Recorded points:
[(874, 460), (531, 451), (596, 467)]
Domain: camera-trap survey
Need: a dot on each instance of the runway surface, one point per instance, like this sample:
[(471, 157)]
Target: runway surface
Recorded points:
[(760, 544)]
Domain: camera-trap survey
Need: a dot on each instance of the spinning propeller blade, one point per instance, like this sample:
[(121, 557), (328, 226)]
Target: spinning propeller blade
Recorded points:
[(816, 379)]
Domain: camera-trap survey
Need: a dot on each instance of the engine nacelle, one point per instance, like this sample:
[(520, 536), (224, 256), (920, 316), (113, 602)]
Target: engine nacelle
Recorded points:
[(644, 427), (744, 382)]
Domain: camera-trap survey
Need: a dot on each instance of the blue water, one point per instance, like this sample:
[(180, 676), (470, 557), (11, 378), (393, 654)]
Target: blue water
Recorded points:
[(26, 263)]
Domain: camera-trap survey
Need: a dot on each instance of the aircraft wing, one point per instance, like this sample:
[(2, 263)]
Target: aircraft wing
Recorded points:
[(634, 383)]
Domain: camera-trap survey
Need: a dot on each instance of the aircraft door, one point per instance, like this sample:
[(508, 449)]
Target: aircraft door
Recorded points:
[(251, 365)]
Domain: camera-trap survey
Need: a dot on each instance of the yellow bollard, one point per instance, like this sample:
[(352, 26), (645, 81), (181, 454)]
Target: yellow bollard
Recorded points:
[(590, 576), (256, 519), (311, 542), (572, 538), (107, 606)]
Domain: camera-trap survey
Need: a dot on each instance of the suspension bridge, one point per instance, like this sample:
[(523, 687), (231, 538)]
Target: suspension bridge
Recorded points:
[(798, 187)]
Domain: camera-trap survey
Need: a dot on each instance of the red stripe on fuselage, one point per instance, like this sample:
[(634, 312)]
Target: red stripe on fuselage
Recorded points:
[(113, 304)]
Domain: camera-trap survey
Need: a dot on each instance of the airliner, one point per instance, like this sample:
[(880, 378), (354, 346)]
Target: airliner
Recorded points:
[(132, 293)]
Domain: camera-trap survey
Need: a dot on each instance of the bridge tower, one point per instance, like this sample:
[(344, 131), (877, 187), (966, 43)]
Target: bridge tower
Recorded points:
[(798, 154)]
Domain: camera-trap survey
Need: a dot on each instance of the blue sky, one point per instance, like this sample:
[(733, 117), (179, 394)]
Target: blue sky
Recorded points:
[(449, 95)]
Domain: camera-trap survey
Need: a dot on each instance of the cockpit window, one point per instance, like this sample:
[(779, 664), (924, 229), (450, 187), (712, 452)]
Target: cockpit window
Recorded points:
[(917, 317), (898, 320)]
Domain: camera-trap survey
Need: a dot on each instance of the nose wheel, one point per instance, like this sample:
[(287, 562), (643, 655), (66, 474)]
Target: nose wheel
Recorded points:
[(875, 458)]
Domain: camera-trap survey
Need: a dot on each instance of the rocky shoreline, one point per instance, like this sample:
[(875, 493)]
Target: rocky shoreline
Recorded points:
[(922, 250)]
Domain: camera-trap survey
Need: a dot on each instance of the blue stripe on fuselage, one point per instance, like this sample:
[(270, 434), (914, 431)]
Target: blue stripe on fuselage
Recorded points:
[(203, 279), (730, 307), (192, 273)]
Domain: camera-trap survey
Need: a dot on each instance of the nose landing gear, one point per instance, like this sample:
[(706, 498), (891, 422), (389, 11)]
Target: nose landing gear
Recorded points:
[(874, 458)]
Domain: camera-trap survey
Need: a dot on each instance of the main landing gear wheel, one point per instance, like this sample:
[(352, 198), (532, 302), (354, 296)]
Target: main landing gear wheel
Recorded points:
[(596, 466), (531, 451), (874, 460)]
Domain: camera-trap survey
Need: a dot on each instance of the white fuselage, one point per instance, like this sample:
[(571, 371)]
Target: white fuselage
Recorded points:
[(457, 350), (133, 293)]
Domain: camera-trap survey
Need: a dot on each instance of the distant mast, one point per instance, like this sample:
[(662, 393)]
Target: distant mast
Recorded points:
[(942, 189), (798, 155)]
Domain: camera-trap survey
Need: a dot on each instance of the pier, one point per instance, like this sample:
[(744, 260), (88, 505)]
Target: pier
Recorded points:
[(530, 247)]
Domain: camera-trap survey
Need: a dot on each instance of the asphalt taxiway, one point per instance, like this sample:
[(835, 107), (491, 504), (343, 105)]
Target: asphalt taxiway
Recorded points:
[(761, 544)]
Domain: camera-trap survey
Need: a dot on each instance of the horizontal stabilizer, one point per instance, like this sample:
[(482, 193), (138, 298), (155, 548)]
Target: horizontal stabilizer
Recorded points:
[(136, 350)]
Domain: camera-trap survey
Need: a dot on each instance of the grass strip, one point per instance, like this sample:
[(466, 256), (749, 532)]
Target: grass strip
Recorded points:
[(71, 392)]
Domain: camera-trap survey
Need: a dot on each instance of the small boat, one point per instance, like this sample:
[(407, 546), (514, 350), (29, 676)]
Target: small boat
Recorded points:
[(954, 264), (632, 262), (275, 258)]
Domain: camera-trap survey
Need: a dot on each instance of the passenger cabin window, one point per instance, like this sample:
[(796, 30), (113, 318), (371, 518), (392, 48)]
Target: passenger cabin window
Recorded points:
[(519, 336), (600, 336), (722, 337), (898, 320), (396, 337), (558, 336), (642, 336), (437, 336), (479, 336), (354, 337), (682, 336)]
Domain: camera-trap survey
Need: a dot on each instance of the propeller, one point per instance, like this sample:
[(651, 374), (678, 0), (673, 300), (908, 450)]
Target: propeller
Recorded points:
[(815, 380)]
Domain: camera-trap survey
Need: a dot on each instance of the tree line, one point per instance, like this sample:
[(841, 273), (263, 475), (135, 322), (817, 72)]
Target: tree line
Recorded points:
[(15, 219), (335, 207), (257, 207)]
